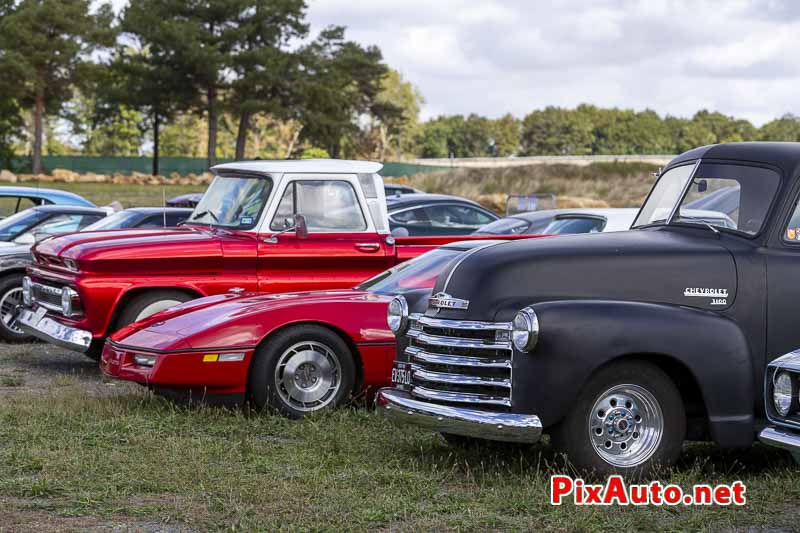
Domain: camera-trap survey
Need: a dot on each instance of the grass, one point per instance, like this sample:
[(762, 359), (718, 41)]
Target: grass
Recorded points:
[(132, 457)]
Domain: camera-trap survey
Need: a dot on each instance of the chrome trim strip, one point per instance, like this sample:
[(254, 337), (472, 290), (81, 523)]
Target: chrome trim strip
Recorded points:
[(787, 440), (683, 193), (458, 379), (398, 407), (455, 360), (456, 342), (464, 258), (53, 332), (463, 324), (458, 397)]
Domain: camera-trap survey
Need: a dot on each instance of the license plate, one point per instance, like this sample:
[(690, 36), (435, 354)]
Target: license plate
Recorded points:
[(401, 375), (39, 315)]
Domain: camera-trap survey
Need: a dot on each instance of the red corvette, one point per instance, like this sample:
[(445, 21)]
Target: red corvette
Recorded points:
[(294, 352)]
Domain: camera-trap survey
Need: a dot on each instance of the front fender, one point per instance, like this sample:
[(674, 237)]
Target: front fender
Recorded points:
[(578, 337)]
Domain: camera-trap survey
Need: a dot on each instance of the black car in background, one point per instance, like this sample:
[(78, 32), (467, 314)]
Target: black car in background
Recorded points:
[(435, 214), (55, 220), (395, 189)]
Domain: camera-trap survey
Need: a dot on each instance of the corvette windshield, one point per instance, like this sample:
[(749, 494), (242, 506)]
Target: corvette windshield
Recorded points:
[(232, 202), (724, 196), (418, 273)]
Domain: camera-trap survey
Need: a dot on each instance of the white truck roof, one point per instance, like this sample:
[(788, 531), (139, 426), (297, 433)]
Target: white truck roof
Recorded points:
[(304, 166)]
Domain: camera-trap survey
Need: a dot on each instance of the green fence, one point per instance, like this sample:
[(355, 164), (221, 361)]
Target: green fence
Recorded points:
[(167, 165)]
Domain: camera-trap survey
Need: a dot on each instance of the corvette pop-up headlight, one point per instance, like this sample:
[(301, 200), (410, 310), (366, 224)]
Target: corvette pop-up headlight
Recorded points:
[(525, 330), (397, 315), (782, 393)]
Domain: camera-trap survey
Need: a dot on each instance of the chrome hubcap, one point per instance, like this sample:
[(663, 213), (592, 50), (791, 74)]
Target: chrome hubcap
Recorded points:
[(308, 376), (8, 306), (626, 425)]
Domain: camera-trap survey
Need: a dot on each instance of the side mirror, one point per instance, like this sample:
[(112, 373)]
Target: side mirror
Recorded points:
[(702, 186), (300, 227)]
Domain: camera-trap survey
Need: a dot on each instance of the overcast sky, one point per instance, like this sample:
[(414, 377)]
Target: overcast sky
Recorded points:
[(497, 56)]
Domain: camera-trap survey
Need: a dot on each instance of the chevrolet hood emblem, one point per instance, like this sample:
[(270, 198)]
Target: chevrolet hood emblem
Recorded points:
[(442, 300)]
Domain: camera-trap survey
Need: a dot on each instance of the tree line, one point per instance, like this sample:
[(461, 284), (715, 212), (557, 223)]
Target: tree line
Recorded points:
[(245, 78)]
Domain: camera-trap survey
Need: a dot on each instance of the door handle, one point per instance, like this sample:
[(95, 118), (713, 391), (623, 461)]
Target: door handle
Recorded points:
[(368, 247)]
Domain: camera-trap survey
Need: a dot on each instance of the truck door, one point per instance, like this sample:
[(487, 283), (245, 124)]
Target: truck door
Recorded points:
[(783, 287), (342, 249)]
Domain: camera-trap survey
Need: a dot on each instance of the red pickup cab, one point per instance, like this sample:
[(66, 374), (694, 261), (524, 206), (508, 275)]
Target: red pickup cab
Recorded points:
[(296, 353), (262, 226)]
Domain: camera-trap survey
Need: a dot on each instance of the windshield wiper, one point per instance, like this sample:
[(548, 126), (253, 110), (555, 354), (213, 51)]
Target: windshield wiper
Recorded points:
[(201, 214)]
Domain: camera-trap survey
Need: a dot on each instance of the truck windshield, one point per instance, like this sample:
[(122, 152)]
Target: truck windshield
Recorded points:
[(232, 202), (418, 273), (725, 196)]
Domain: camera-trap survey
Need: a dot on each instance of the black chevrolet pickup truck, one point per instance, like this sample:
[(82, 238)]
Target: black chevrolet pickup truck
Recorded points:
[(620, 346)]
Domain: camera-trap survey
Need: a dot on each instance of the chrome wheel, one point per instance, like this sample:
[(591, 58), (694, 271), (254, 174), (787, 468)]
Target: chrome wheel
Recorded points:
[(626, 425), (308, 376), (8, 306), (155, 307)]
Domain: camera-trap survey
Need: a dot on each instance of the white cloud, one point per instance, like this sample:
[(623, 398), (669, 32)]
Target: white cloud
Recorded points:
[(498, 56)]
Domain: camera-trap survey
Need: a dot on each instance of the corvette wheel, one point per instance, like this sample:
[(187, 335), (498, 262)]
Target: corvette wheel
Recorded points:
[(301, 370), (10, 298), (628, 420)]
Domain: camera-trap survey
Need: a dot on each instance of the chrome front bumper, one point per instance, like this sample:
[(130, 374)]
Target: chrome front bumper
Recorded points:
[(53, 332), (781, 438), (402, 409)]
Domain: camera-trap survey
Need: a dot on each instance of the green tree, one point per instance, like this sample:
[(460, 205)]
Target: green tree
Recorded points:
[(396, 111), (556, 131), (44, 46), (341, 82), (506, 135), (786, 128), (266, 68)]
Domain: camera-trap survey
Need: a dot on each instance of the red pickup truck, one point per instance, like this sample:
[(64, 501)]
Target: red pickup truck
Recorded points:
[(262, 226)]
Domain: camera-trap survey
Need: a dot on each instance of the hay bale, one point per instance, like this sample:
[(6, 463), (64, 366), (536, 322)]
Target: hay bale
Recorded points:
[(64, 175), (93, 178), (7, 176)]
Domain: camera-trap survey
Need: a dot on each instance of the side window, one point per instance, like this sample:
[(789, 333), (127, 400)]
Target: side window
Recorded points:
[(153, 221), (457, 216), (63, 224), (174, 219), (792, 233), (412, 216), (327, 205), (14, 204)]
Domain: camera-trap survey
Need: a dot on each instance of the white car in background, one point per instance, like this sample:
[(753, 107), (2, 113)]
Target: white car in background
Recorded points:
[(562, 222)]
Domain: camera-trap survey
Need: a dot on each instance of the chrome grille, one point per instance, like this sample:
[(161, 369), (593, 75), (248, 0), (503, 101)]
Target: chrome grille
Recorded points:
[(47, 296), (457, 362)]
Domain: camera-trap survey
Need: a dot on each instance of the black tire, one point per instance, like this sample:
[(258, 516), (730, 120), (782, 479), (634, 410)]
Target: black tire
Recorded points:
[(265, 383), (133, 308), (10, 297), (574, 439)]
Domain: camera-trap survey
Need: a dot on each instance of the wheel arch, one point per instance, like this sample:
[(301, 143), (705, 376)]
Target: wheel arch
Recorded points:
[(129, 294), (357, 358), (705, 353)]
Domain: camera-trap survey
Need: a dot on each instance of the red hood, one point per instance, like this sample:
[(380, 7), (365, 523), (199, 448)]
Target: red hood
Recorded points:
[(229, 321), (158, 249)]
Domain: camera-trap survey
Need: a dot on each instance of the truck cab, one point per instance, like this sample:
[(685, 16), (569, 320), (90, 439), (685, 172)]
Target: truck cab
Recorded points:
[(620, 346), (261, 226)]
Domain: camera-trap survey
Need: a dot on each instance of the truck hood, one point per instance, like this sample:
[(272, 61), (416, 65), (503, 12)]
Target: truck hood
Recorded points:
[(229, 321), (158, 250), (684, 267)]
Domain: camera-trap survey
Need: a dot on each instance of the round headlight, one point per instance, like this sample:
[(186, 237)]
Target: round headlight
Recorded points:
[(397, 315), (782, 393), (525, 330), (27, 297), (66, 301)]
